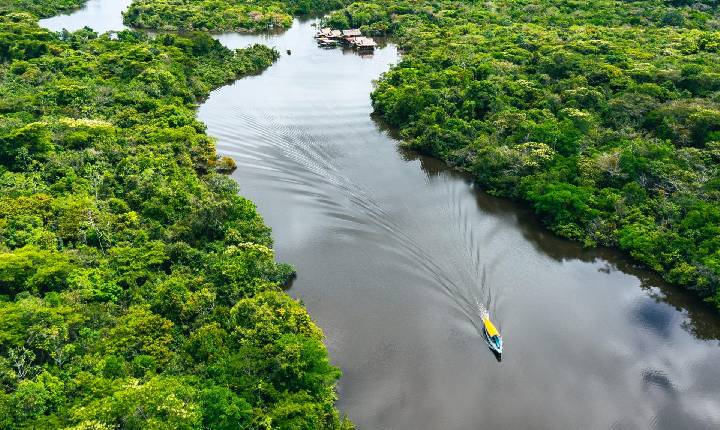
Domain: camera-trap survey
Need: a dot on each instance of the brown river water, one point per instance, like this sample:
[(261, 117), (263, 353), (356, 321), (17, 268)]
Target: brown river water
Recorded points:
[(393, 249)]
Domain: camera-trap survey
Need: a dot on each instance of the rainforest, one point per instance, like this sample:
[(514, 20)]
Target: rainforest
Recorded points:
[(222, 15), (139, 289)]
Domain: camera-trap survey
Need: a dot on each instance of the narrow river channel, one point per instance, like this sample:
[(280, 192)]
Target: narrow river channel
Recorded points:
[(393, 249)]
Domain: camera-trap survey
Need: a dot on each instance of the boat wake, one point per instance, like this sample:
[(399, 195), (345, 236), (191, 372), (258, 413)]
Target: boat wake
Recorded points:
[(283, 152), (303, 160), (482, 310)]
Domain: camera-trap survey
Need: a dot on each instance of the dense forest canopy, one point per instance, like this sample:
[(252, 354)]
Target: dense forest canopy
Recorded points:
[(41, 8), (222, 15), (138, 290)]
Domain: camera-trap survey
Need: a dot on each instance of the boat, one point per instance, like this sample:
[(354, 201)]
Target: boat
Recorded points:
[(492, 335)]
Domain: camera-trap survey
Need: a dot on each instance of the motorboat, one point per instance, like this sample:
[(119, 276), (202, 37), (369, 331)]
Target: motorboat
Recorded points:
[(492, 335)]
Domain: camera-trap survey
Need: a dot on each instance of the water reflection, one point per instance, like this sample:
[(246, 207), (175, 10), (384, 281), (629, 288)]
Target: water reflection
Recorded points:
[(100, 15)]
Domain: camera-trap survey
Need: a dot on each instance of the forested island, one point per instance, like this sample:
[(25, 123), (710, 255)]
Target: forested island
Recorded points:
[(222, 15), (42, 9), (138, 290)]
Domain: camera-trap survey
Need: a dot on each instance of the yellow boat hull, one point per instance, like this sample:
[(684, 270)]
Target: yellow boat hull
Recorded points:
[(490, 327), (492, 335)]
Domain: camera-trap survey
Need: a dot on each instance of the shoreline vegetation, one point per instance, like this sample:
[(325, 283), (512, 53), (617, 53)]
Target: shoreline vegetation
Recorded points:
[(222, 15), (41, 9), (138, 289)]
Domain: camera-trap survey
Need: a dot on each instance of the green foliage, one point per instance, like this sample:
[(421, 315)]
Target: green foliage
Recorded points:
[(225, 410), (41, 8), (604, 115), (221, 15), (34, 270), (138, 289)]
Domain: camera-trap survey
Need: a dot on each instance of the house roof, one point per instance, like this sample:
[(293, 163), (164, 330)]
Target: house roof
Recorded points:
[(364, 41), (352, 32)]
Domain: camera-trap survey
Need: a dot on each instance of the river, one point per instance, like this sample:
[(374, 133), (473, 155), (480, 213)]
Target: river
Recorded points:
[(392, 250)]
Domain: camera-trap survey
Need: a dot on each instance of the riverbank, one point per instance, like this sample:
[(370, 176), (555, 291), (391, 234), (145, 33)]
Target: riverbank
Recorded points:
[(42, 9)]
